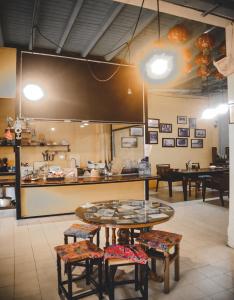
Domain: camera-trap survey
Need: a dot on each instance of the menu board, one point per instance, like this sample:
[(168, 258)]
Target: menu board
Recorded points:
[(72, 91)]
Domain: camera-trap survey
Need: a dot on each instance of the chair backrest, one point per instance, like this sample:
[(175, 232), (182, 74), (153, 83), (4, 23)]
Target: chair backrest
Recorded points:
[(163, 169)]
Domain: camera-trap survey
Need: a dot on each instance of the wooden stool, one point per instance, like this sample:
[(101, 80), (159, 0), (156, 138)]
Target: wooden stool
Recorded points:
[(166, 246), (129, 255), (82, 231), (79, 254)]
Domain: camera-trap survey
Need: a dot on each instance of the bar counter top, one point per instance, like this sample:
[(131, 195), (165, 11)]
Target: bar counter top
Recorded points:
[(86, 180)]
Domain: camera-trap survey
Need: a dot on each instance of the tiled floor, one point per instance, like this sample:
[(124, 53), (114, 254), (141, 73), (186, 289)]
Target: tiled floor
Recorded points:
[(27, 258)]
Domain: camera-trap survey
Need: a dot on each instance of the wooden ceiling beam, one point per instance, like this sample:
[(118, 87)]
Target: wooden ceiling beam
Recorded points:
[(70, 23), (111, 15), (180, 11)]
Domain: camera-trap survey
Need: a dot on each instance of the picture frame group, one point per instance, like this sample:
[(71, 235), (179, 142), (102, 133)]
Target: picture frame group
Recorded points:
[(136, 131), (182, 142), (153, 137), (196, 143), (199, 133), (182, 120), (165, 127), (184, 132), (168, 142), (129, 142), (153, 123)]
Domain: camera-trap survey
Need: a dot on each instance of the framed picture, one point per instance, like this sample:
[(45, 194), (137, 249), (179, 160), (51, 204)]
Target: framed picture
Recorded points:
[(136, 131), (183, 132), (153, 137), (153, 123), (192, 122), (196, 143), (165, 127), (168, 142), (181, 120), (200, 133), (128, 142), (182, 142)]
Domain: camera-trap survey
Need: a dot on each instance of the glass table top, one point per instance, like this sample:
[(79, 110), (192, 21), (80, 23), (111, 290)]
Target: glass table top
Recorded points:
[(127, 213)]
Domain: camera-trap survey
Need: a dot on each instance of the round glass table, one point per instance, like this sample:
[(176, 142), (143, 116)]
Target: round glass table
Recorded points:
[(124, 215)]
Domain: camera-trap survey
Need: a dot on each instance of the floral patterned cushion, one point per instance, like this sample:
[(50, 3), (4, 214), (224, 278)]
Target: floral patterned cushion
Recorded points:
[(82, 231), (78, 251), (133, 253), (159, 240)]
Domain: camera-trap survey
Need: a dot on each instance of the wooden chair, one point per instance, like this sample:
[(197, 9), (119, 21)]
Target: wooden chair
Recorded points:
[(166, 174), (194, 182), (164, 246), (219, 182), (81, 254), (126, 255)]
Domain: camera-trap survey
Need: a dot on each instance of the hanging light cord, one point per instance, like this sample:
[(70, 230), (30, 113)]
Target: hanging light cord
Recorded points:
[(110, 52), (158, 19)]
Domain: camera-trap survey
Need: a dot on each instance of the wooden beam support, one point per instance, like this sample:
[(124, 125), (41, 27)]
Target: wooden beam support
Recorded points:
[(70, 23), (180, 11), (111, 15), (34, 23)]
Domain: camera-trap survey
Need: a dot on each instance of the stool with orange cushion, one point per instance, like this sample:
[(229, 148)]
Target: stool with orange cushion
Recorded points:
[(126, 255), (166, 246), (82, 231), (81, 254)]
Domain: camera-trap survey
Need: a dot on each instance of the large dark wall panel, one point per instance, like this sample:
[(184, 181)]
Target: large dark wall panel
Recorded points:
[(71, 92)]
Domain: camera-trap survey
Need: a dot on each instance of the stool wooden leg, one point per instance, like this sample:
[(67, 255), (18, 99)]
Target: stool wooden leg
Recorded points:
[(111, 282), (153, 265), (145, 282), (136, 277), (98, 238), (132, 236), (87, 270), (113, 236), (107, 236), (167, 274), (177, 263), (69, 278), (100, 279), (65, 239), (59, 276), (74, 239)]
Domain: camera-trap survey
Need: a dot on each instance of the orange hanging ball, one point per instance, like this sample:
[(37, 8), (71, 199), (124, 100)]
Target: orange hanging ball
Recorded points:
[(202, 59), (187, 54), (187, 68), (178, 34), (203, 71), (205, 42)]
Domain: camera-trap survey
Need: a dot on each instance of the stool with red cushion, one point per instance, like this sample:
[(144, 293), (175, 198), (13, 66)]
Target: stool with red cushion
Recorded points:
[(82, 231), (165, 246), (81, 254), (126, 255)]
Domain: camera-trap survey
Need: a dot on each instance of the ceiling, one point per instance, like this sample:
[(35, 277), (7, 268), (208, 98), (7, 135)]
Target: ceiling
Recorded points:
[(93, 29)]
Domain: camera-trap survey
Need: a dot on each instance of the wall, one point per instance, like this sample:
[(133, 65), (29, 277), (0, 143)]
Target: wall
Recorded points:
[(167, 109), (7, 72)]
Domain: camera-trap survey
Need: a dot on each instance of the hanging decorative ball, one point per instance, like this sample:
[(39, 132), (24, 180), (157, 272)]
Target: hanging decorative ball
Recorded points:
[(203, 59), (187, 68), (222, 48), (187, 54), (205, 42), (178, 34), (217, 75), (203, 71)]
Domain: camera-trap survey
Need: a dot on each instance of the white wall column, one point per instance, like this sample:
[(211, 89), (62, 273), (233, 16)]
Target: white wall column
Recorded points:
[(230, 51)]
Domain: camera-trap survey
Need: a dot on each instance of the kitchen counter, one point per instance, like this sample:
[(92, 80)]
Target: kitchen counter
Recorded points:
[(86, 180)]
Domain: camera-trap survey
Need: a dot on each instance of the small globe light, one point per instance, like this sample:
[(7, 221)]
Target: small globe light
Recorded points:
[(222, 109), (33, 92), (159, 66)]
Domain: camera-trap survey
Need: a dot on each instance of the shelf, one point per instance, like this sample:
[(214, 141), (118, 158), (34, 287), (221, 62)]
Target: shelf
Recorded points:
[(7, 174), (7, 146), (48, 146)]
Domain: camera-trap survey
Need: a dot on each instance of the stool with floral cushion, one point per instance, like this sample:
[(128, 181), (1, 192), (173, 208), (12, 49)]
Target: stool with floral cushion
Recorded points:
[(126, 255), (83, 254), (82, 231), (165, 246)]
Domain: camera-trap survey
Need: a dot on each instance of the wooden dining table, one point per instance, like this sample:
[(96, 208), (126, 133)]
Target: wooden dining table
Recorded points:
[(195, 174), (122, 217)]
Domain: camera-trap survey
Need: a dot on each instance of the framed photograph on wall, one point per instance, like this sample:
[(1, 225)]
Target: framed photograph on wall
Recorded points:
[(181, 142), (136, 131), (200, 133), (165, 128), (128, 142), (181, 120), (192, 122), (196, 143), (153, 123), (153, 137), (168, 142), (183, 132)]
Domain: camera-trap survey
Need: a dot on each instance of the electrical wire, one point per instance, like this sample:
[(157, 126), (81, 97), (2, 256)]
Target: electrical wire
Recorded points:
[(110, 52), (158, 19)]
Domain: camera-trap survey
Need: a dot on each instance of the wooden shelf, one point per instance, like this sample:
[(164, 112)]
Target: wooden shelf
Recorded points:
[(48, 146)]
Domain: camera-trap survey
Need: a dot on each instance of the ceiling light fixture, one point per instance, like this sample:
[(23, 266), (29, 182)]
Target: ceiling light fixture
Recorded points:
[(209, 113), (33, 92), (222, 109)]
